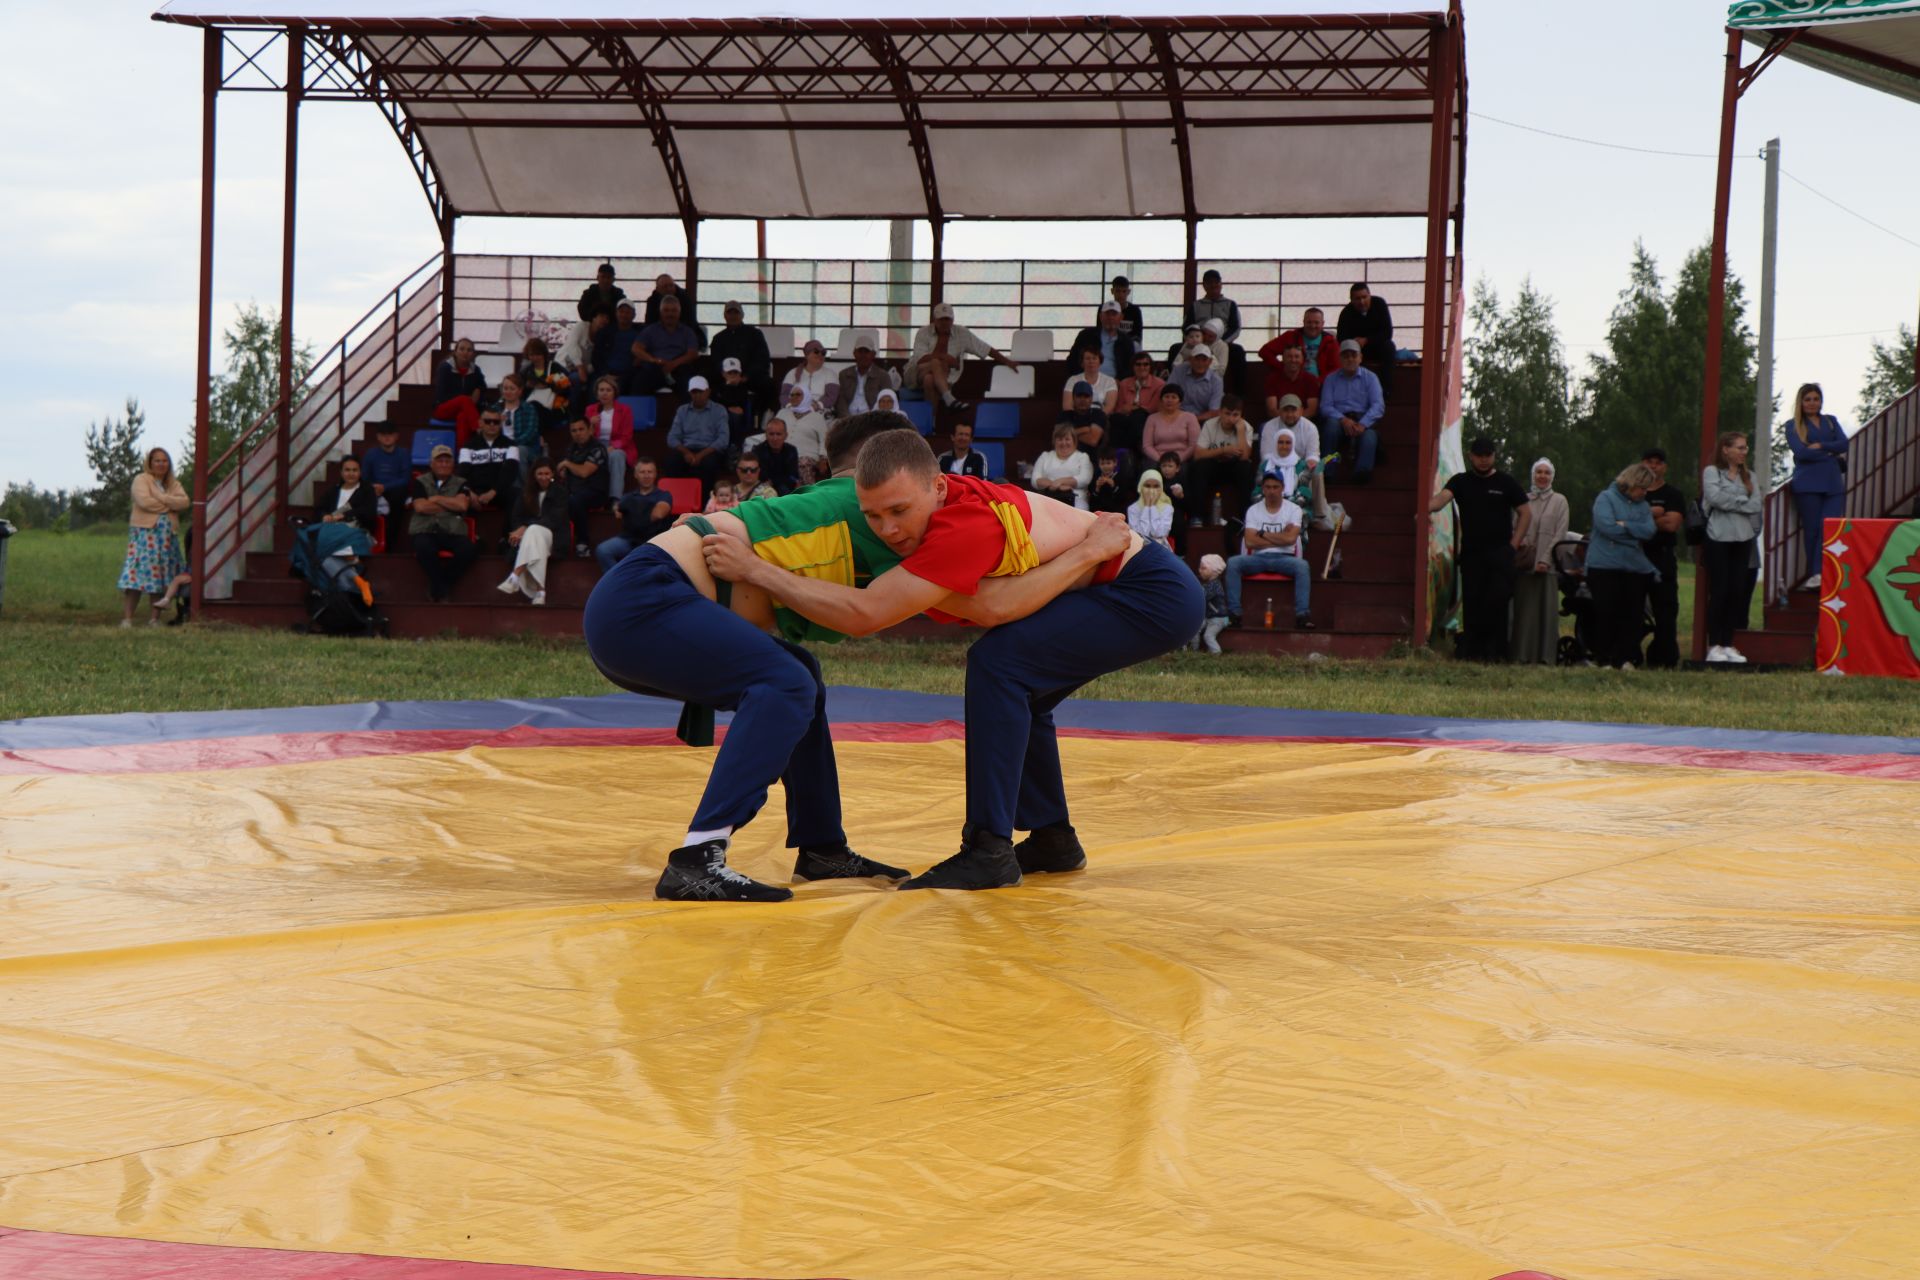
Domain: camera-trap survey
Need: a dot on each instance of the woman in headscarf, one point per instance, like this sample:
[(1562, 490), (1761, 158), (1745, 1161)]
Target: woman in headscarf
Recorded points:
[(1536, 588), (887, 401), (1151, 516), (806, 429), (822, 383)]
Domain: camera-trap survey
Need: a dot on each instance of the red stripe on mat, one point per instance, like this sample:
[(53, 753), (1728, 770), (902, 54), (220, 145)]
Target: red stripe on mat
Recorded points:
[(303, 748), (53, 1255)]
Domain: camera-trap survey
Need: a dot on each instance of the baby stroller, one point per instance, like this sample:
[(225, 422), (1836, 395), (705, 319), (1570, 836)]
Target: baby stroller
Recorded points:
[(1576, 602), (339, 601)]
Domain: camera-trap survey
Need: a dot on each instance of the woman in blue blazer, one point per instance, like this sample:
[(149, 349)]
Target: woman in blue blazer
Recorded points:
[(1819, 471)]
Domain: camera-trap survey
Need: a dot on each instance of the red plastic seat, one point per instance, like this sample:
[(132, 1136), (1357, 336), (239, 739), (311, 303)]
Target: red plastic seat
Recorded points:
[(473, 535), (685, 491)]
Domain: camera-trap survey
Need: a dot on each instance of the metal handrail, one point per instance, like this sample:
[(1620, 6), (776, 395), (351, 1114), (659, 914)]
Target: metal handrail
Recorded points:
[(1883, 478)]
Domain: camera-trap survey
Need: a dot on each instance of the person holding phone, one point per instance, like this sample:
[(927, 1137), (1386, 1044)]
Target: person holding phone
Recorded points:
[(1819, 446)]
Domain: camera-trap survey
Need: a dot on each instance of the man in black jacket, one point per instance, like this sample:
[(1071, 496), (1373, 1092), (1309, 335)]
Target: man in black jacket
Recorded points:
[(1115, 347), (744, 342), (961, 460), (1663, 597), (490, 463), (602, 295), (1367, 321), (1132, 323), (779, 461)]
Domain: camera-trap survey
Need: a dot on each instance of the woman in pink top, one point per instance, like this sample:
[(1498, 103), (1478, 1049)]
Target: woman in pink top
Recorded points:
[(612, 422), (1172, 430)]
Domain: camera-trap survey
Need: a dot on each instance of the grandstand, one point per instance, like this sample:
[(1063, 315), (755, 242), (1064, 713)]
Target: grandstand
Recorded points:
[(1164, 114)]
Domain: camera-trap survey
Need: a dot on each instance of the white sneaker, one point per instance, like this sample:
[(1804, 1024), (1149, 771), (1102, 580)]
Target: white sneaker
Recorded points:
[(1731, 654), (126, 624), (1626, 666), (509, 584), (1812, 583), (539, 597), (581, 550), (1716, 654)]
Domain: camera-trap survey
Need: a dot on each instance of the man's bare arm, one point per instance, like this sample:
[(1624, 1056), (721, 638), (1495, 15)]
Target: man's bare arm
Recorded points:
[(894, 596), (1011, 598)]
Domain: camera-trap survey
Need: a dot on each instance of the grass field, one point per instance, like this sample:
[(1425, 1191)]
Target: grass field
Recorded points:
[(65, 655)]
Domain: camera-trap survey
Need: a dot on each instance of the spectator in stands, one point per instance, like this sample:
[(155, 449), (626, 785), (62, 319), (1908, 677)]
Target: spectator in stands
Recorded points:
[(614, 347), (387, 468), (523, 422), (888, 401), (1172, 429), (725, 497), (582, 348), (1139, 396), (458, 390), (750, 481), (698, 438), (1222, 471), (1351, 404), (439, 523), (153, 557), (1669, 507), (1151, 515), (1066, 472), (542, 382), (1732, 502), (1489, 535), (861, 382), (1197, 335), (1200, 384), (1536, 592), (1212, 304), (1618, 571), (663, 289), (612, 424), (1271, 544), (1110, 490), (940, 349), (1320, 349), (962, 460), (1291, 377), (1088, 423), (352, 501), (746, 344), (806, 429), (1819, 446), (1112, 347), (1213, 578), (602, 296), (646, 511), (1171, 467), (736, 397), (1290, 446), (666, 353), (823, 386), (1132, 323), (779, 461), (1366, 320), (490, 463), (1101, 387), (540, 520), (584, 472)]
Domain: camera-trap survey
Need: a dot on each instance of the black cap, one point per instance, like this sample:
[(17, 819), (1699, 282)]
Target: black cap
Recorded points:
[(1653, 452), (1211, 275), (382, 426), (1481, 447)]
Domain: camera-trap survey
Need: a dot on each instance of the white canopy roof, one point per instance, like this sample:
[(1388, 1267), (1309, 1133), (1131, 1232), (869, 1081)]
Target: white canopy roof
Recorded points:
[(1871, 42), (730, 109)]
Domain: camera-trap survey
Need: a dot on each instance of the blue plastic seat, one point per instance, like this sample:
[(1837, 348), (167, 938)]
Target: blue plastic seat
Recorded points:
[(645, 410), (920, 413), (424, 441), (996, 420), (996, 456)]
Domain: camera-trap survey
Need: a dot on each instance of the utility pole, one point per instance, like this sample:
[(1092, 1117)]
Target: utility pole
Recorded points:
[(1763, 381)]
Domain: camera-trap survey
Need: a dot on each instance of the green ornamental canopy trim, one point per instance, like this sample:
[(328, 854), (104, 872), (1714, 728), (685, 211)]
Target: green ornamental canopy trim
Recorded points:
[(1875, 43), (1808, 13)]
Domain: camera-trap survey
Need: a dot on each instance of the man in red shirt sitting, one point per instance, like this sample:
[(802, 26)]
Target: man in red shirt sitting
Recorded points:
[(1292, 378), (1132, 601), (1322, 348)]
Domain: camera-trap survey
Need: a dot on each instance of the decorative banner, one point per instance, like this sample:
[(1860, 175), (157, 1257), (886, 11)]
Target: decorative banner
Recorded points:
[(1870, 599)]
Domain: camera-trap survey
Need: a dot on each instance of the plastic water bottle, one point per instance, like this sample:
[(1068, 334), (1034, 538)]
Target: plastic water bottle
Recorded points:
[(1216, 509), (1269, 613)]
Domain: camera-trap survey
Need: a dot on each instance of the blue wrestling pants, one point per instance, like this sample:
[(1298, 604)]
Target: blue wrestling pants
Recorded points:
[(1018, 673), (650, 631)]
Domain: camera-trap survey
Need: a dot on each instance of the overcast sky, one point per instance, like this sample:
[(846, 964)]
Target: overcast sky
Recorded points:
[(99, 226)]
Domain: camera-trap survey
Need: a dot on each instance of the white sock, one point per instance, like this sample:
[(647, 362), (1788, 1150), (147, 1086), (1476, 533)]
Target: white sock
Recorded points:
[(947, 397), (723, 834)]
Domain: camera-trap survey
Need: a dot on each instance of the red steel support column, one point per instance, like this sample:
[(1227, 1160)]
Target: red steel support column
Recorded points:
[(1433, 329), (1716, 306), (446, 278), (1190, 275), (283, 432), (203, 369), (692, 280), (938, 276)]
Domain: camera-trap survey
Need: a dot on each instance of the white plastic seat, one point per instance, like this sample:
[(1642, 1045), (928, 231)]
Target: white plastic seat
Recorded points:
[(494, 365), (850, 336), (1011, 384), (779, 340), (1032, 345)]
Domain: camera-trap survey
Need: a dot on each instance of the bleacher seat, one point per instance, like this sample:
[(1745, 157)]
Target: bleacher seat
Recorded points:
[(493, 366), (685, 491), (645, 410), (1032, 346), (996, 456), (1011, 384), (849, 336), (473, 535), (512, 338), (996, 420), (779, 340), (920, 414), (424, 441)]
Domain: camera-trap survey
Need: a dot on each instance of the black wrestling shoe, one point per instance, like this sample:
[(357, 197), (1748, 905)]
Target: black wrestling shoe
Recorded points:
[(1049, 850), (984, 862), (699, 873), (837, 862)]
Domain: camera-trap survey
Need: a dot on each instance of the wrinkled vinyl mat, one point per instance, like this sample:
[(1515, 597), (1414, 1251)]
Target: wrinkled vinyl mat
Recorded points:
[(381, 992)]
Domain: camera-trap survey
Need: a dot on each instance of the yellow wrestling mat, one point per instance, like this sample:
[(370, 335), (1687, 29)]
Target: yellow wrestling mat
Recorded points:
[(1316, 1010)]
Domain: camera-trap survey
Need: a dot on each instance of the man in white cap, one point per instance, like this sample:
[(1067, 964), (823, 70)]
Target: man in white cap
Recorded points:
[(439, 523), (698, 441), (737, 398), (1351, 406), (939, 349), (862, 381), (1200, 387), (1107, 338)]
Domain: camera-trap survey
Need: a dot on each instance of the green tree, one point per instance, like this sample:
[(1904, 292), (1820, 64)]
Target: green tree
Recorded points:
[(1889, 374), (30, 507), (1518, 391), (249, 388), (115, 457)]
